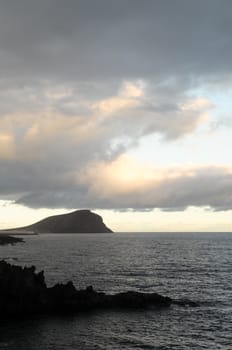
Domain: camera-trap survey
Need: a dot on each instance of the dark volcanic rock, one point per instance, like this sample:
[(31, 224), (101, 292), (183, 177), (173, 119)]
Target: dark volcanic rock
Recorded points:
[(24, 292), (5, 239), (79, 221)]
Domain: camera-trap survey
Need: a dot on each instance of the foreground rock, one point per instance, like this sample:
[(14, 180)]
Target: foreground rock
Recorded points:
[(5, 239), (24, 292), (79, 221)]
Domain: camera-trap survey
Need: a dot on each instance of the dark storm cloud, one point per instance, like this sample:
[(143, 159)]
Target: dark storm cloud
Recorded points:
[(74, 40)]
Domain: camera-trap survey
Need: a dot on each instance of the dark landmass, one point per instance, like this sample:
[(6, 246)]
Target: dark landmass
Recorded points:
[(5, 239), (79, 221), (23, 292)]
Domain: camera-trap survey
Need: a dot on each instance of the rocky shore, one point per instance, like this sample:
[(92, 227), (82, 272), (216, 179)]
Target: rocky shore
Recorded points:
[(5, 239), (23, 292)]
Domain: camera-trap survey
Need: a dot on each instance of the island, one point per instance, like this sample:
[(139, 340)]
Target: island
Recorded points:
[(79, 221), (23, 293)]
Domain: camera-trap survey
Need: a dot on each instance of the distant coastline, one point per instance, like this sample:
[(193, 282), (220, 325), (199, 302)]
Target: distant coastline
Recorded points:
[(6, 239), (17, 232)]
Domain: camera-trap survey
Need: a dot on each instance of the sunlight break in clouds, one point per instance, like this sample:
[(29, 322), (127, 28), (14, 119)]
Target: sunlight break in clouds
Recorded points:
[(7, 149), (129, 96), (127, 184)]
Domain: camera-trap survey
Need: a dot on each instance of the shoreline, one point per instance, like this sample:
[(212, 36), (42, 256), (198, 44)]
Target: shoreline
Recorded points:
[(8, 239), (24, 292)]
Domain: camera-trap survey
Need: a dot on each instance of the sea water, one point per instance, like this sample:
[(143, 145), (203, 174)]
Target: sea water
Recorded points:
[(197, 266)]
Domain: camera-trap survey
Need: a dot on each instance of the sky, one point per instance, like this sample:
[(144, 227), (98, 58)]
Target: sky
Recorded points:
[(123, 107)]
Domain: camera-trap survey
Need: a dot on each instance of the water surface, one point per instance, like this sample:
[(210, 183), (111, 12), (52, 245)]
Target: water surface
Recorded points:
[(195, 266)]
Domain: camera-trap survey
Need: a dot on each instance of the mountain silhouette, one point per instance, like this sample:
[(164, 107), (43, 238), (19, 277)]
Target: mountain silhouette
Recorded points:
[(79, 221)]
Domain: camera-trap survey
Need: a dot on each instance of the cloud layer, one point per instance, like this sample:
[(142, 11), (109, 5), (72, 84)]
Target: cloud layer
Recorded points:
[(82, 82), (82, 39), (125, 184)]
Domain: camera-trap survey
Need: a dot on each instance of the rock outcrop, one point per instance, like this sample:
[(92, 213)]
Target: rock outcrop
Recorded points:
[(79, 221), (23, 292), (6, 239)]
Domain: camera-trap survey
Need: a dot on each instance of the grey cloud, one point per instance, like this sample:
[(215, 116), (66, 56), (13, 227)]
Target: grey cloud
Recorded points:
[(75, 40), (209, 187), (51, 151)]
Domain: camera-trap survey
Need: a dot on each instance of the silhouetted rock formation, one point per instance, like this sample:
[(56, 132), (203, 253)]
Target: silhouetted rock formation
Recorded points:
[(24, 292), (5, 239), (79, 221)]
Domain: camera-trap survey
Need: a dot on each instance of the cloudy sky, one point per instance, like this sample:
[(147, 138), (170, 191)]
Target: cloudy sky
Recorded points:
[(120, 106)]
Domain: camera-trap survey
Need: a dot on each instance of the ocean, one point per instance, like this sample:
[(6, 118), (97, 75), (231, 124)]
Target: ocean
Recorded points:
[(197, 266)]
